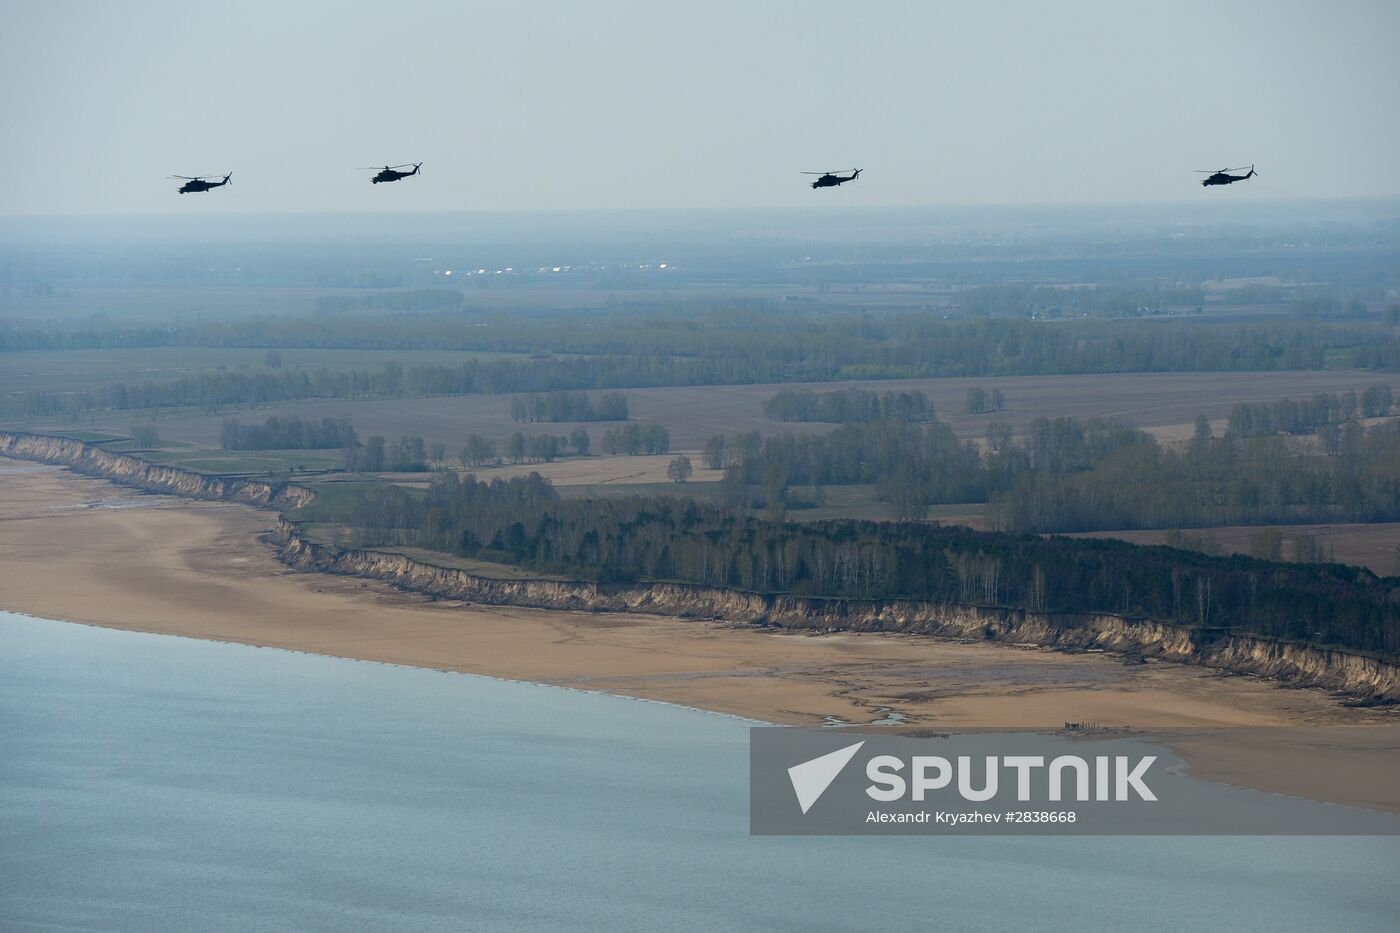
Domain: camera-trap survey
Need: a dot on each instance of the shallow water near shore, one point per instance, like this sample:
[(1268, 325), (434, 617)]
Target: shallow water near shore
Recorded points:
[(156, 783)]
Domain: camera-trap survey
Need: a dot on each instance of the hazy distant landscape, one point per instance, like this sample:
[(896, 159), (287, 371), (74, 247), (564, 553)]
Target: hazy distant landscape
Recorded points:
[(1035, 346)]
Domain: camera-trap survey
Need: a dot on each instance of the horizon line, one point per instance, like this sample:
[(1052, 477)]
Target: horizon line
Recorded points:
[(787, 208)]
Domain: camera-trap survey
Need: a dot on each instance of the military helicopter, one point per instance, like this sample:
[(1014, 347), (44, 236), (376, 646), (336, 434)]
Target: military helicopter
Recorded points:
[(198, 183), (832, 179), (391, 172), (1223, 177)]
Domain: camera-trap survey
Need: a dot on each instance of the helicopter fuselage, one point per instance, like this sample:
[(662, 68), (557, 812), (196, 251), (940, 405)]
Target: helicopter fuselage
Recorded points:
[(390, 175), (196, 184), (1222, 178), (831, 181)]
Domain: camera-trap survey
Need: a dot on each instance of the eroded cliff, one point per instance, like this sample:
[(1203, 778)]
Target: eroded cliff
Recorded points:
[(122, 468), (1297, 664)]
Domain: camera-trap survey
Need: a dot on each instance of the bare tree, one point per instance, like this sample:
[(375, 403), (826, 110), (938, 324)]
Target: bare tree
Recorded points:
[(680, 469), (144, 436)]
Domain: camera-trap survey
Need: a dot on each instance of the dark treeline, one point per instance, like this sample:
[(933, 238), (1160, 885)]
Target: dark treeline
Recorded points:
[(766, 343), (1067, 474), (723, 353), (537, 448), (569, 406), (848, 405), (409, 455), (523, 521), (1383, 354), (637, 439), (618, 350), (288, 434), (210, 391), (1231, 480), (481, 451), (1305, 416), (911, 466), (979, 400)]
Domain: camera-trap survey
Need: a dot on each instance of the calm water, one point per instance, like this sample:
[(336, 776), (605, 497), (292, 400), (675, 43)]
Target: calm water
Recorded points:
[(150, 783)]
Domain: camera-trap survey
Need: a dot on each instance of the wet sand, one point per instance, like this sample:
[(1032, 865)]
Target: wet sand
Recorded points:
[(84, 550)]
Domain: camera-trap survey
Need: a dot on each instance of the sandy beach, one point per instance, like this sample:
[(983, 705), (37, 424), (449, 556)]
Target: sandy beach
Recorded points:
[(85, 550)]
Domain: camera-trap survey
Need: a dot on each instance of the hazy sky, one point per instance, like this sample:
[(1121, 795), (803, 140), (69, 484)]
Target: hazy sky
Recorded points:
[(601, 104)]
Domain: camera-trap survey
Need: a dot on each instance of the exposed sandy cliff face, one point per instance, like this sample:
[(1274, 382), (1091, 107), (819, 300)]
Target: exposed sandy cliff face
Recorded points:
[(1296, 664), (133, 471), (1337, 670)]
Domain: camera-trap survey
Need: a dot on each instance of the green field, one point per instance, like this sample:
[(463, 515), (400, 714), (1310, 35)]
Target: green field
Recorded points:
[(333, 501)]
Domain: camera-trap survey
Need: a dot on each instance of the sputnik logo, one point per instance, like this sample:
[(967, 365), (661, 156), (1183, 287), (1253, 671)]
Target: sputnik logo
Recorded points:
[(811, 778)]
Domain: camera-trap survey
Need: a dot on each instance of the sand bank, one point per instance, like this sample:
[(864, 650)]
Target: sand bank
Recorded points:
[(87, 551)]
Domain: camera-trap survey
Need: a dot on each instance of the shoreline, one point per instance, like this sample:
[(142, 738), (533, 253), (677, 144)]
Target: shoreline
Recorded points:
[(1150, 738), (1359, 676), (201, 570), (1188, 765), (411, 667), (1363, 676)]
